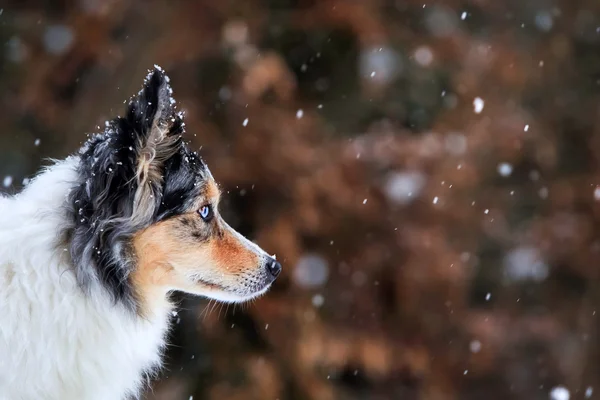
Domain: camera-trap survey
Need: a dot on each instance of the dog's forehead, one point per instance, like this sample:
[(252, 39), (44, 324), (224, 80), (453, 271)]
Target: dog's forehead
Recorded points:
[(205, 188), (211, 189)]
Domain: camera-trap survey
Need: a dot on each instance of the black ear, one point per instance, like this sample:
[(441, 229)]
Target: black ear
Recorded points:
[(151, 114), (120, 185), (155, 129)]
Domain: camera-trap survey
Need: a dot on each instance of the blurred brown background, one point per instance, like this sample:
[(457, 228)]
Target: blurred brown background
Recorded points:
[(426, 171)]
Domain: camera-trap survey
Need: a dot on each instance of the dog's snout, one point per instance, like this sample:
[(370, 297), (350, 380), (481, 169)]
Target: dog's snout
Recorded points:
[(273, 266)]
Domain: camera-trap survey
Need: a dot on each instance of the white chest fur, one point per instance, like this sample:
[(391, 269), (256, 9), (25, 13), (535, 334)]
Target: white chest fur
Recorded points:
[(55, 341)]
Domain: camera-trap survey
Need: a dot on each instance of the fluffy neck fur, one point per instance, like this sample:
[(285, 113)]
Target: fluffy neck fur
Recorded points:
[(57, 341)]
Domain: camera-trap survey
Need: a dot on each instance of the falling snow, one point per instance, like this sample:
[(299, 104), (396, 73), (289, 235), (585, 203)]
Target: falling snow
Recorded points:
[(505, 169), (403, 187), (475, 346), (225, 93), (560, 393), (318, 300), (7, 181), (424, 56), (478, 104), (245, 123), (525, 263), (544, 21), (299, 114), (58, 38), (311, 271), (382, 64)]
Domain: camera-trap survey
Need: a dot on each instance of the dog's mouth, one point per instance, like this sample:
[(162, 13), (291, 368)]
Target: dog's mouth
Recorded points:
[(210, 285), (231, 294)]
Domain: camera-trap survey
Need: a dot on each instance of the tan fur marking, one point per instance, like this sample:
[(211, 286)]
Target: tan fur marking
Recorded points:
[(232, 255), (168, 259), (212, 192), (153, 275)]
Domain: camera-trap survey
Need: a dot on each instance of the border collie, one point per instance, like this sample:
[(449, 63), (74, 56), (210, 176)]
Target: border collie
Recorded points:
[(92, 247)]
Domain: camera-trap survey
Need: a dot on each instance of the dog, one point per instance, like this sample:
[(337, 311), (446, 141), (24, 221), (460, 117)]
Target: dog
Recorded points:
[(91, 249)]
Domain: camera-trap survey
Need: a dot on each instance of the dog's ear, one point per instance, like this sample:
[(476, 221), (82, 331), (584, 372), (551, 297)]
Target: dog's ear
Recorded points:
[(121, 184), (155, 130)]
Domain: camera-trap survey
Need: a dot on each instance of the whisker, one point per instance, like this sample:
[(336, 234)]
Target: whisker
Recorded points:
[(205, 311)]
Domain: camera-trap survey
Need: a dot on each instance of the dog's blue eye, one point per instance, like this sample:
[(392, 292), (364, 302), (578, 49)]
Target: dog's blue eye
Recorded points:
[(206, 213)]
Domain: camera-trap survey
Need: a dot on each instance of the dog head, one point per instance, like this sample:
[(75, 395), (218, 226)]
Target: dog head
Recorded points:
[(145, 213)]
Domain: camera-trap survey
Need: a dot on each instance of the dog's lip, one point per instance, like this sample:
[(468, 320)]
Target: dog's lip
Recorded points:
[(208, 284), (216, 286)]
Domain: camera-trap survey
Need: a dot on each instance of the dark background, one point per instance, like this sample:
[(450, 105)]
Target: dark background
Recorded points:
[(432, 249)]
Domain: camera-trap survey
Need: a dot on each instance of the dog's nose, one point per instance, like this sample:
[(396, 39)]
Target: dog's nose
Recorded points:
[(274, 267)]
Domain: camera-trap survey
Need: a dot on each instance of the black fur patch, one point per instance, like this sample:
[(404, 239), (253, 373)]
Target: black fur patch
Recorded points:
[(102, 205), (180, 181)]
